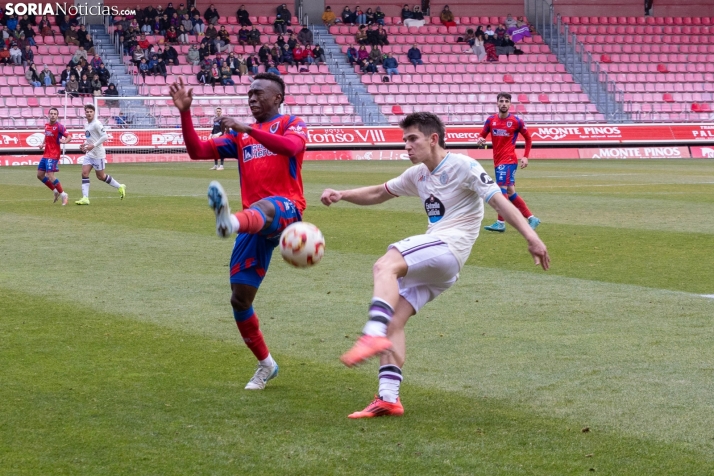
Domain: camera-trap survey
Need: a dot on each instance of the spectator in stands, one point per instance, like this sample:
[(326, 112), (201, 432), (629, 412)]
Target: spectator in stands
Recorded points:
[(160, 11), (264, 54), (390, 65), (414, 55), (348, 18), (252, 64), (171, 57), (171, 36), (134, 23), (211, 32), (417, 18), (96, 85), (479, 48), (15, 54), (82, 34), (79, 69), (164, 24), (379, 16), (63, 24), (352, 56), (276, 54), (273, 69), (187, 23), (88, 70), (64, 77), (104, 74), (182, 35), (199, 28), (72, 86), (193, 11), (382, 36), (360, 16), (226, 76), (406, 13), (85, 86), (46, 77), (285, 14), (70, 37), (490, 46), (175, 21), (309, 55), (181, 10), (192, 57), (279, 25), (111, 92), (236, 64), (328, 17), (447, 17), (299, 54), (137, 55), (152, 63), (146, 27), (223, 40), (79, 54), (500, 31), (143, 68), (143, 43), (362, 56), (370, 67), (372, 34), (27, 56), (243, 17), (28, 34), (305, 36), (254, 37), (243, 35), (369, 17), (319, 54), (11, 22), (505, 46), (89, 45), (376, 56), (287, 56), (170, 10), (210, 44), (160, 67), (119, 31), (510, 21), (489, 32), (96, 61), (211, 15), (202, 76), (45, 28), (361, 35), (648, 7), (280, 41)]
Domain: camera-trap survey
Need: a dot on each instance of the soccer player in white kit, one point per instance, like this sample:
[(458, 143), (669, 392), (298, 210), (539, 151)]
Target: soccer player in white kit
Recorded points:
[(95, 155), (417, 269)]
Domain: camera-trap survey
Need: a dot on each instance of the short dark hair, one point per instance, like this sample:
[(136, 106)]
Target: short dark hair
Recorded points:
[(54, 109), (89, 106), (503, 95), (274, 78), (428, 123)]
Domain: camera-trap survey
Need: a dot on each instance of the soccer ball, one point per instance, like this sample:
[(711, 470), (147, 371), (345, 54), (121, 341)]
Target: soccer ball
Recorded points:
[(302, 244)]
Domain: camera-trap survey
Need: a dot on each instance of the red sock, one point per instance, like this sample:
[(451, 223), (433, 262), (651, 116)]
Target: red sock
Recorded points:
[(251, 221), (253, 338), (520, 204), (49, 184), (58, 186)]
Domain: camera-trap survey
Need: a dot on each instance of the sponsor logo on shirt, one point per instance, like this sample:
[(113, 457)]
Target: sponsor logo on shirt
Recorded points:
[(500, 133), (255, 151), (435, 210)]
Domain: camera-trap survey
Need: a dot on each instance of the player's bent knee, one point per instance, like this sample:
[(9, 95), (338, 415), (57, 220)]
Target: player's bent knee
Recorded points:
[(390, 263)]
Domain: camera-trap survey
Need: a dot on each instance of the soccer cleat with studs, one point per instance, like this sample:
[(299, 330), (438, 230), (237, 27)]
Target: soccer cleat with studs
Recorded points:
[(82, 201), (57, 196), (378, 408), (261, 376), (534, 222), (365, 348), (226, 222), (65, 198), (122, 191), (498, 226)]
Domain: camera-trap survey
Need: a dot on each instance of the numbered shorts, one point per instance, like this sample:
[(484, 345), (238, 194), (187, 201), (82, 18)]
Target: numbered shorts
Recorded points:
[(48, 165), (506, 175), (433, 269), (252, 253), (98, 164)]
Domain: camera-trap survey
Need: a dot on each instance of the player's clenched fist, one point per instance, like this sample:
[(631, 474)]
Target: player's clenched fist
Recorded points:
[(330, 196)]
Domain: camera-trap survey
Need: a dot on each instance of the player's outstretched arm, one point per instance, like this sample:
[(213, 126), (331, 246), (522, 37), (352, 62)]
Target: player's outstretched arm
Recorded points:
[(359, 196), (196, 148), (513, 217)]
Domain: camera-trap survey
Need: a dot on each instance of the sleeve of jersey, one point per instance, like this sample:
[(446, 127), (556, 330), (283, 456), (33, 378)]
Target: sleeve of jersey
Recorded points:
[(404, 185), (204, 150), (529, 140), (480, 182), (486, 128), (289, 145)]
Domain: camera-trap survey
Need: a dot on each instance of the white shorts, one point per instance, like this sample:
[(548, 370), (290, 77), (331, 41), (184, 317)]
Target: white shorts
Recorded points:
[(433, 269), (98, 164)]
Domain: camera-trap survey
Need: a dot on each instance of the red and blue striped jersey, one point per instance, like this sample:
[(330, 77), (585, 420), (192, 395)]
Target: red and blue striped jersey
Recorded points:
[(264, 173)]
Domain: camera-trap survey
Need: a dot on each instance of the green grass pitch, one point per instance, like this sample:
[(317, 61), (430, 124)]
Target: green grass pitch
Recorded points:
[(119, 354)]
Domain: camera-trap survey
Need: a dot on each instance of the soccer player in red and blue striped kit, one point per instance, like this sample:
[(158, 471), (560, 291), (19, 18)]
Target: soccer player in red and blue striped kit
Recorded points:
[(504, 128), (55, 134), (270, 154)]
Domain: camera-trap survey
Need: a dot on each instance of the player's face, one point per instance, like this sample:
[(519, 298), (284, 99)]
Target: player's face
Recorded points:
[(416, 144), (53, 116), (89, 115), (218, 113), (504, 104), (263, 99)]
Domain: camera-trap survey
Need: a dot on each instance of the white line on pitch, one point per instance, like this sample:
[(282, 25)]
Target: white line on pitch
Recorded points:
[(710, 296)]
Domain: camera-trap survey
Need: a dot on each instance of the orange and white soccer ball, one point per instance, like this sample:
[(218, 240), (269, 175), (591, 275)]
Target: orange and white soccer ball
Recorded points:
[(302, 244)]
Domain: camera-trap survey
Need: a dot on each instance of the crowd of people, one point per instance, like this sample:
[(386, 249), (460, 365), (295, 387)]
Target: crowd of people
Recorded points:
[(410, 16)]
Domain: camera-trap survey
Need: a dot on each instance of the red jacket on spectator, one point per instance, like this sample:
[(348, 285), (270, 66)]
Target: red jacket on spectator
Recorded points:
[(299, 54)]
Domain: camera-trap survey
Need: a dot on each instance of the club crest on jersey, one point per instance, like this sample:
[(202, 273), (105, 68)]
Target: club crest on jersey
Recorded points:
[(87, 134), (255, 151), (443, 179), (274, 127), (509, 123), (435, 210)]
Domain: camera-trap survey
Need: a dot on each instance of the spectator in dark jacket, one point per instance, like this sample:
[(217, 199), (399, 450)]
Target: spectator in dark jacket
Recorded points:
[(379, 16), (111, 91), (414, 55), (280, 26), (171, 57), (254, 37), (390, 65), (348, 18), (243, 16), (211, 15), (305, 36), (285, 14), (382, 36), (319, 54), (85, 86)]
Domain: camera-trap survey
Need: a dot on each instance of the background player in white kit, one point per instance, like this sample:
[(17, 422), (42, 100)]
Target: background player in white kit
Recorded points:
[(416, 270), (95, 155)]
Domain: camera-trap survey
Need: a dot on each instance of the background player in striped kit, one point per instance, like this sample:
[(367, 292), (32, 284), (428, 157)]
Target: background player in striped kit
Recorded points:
[(504, 129), (55, 134), (95, 156), (417, 269)]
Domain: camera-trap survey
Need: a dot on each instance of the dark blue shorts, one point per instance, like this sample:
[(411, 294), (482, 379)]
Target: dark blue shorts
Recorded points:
[(506, 175), (48, 165), (252, 253)]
